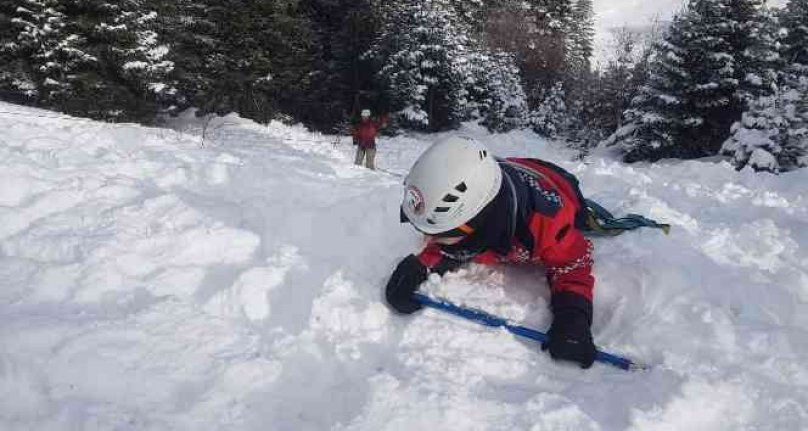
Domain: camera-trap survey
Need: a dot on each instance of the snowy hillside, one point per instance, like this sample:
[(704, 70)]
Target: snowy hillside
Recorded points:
[(151, 279)]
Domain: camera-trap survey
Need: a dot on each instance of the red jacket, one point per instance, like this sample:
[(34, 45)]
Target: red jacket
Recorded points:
[(364, 132), (549, 229)]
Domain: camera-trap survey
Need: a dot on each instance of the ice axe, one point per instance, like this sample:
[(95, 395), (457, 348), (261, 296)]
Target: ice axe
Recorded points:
[(486, 319)]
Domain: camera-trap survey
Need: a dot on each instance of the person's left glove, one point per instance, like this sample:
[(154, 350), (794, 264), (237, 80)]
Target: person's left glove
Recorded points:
[(408, 275), (570, 338)]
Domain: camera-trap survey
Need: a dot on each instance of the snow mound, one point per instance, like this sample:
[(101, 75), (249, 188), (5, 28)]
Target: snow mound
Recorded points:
[(227, 275)]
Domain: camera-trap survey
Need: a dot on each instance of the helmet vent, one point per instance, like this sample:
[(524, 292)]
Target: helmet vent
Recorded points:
[(442, 209), (461, 187), (430, 221), (450, 198), (483, 154)]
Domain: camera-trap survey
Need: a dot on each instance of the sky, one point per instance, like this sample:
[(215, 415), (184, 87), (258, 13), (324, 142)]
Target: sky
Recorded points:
[(611, 14), (639, 14)]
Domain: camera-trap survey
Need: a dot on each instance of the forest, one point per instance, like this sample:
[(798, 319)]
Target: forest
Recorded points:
[(724, 77)]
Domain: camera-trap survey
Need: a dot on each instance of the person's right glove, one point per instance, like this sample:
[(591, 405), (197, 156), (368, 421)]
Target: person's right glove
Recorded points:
[(570, 338), (408, 275)]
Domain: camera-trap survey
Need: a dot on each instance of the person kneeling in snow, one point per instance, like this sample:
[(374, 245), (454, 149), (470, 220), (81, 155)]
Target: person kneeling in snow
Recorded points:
[(473, 207)]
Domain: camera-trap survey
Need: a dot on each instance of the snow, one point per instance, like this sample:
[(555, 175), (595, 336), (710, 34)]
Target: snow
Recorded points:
[(153, 279)]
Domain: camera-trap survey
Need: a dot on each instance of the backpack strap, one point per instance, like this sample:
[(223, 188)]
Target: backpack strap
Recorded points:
[(592, 219), (601, 222)]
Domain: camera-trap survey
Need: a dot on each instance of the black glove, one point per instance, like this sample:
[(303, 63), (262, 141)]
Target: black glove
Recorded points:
[(409, 274), (570, 338)]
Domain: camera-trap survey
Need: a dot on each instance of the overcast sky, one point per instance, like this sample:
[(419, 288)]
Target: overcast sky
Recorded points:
[(610, 14)]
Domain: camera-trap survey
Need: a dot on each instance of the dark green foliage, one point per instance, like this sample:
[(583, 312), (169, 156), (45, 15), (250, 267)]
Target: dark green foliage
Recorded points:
[(717, 56), (245, 56), (15, 83), (502, 103), (794, 20), (773, 132), (341, 81), (421, 54), (87, 58)]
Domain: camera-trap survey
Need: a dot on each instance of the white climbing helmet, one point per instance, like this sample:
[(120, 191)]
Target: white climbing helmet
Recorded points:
[(365, 113), (449, 184)]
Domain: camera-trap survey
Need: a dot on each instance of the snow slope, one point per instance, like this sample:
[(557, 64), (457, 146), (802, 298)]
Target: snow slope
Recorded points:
[(229, 277)]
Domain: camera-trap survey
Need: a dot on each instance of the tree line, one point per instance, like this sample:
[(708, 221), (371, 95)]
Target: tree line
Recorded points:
[(433, 63), (727, 76)]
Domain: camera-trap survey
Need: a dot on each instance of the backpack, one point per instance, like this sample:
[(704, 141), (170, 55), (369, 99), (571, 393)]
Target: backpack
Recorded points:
[(592, 218)]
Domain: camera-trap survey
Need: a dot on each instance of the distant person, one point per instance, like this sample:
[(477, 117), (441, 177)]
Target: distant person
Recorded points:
[(364, 137)]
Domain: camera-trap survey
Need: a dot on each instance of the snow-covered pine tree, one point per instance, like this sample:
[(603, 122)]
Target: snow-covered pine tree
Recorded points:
[(758, 140), (773, 134), (716, 57), (580, 39), (794, 19), (15, 81), (132, 76), (546, 63), (656, 116), (186, 27), (794, 42), (54, 58), (756, 48), (795, 147), (502, 101), (578, 76), (423, 55), (91, 57), (246, 56), (551, 118)]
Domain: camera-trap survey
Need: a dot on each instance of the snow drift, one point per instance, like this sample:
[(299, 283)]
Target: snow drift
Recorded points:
[(155, 279)]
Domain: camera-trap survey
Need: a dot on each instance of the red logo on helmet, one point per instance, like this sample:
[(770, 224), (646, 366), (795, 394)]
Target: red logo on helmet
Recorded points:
[(414, 200)]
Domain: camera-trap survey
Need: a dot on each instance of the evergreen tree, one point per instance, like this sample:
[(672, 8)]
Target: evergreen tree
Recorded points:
[(773, 133), (423, 52), (186, 26), (131, 73), (617, 84), (580, 39), (794, 40), (91, 58), (503, 103), (341, 79), (54, 57), (246, 56), (552, 118), (578, 74), (717, 56), (15, 82)]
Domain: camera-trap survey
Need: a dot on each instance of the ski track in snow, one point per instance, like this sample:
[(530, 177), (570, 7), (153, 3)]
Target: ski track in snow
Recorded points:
[(154, 280)]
